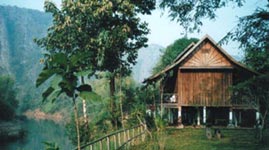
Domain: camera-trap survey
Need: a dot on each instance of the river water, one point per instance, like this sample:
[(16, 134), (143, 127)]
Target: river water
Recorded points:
[(37, 133)]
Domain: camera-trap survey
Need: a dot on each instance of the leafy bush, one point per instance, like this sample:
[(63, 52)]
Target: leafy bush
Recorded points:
[(8, 101)]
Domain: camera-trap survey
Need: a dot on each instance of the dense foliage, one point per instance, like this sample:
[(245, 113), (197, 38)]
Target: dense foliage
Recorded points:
[(255, 93), (253, 34), (171, 52), (89, 36), (131, 101), (8, 101), (83, 40)]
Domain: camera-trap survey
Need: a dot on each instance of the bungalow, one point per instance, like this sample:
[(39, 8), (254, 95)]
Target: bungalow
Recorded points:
[(195, 88)]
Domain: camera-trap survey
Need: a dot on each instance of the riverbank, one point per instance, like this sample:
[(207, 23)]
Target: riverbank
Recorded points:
[(11, 130), (37, 114)]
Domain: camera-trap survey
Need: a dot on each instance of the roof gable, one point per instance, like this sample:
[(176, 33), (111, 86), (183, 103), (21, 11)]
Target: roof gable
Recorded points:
[(206, 55), (223, 59)]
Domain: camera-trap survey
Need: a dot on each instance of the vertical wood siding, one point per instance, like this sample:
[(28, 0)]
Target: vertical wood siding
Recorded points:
[(204, 87)]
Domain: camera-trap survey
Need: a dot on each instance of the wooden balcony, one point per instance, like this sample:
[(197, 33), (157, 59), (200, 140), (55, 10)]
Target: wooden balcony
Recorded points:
[(171, 100)]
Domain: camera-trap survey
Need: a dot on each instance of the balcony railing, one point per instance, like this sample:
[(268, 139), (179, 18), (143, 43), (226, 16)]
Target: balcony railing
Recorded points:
[(170, 98)]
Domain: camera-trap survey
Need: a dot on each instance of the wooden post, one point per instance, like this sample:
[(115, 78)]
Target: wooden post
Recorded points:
[(115, 142), (198, 117), (204, 115), (240, 118), (231, 115), (128, 134), (133, 136), (235, 119), (142, 138), (179, 118), (170, 114), (91, 147), (257, 115), (119, 139), (128, 137), (124, 136), (100, 143), (231, 118), (144, 135), (108, 143)]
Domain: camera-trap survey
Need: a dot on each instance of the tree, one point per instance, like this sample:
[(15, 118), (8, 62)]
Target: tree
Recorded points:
[(189, 14), (90, 35), (8, 101), (171, 52), (253, 34), (70, 50), (121, 35), (255, 93)]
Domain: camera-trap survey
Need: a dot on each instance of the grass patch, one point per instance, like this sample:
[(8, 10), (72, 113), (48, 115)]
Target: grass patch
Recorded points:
[(195, 139)]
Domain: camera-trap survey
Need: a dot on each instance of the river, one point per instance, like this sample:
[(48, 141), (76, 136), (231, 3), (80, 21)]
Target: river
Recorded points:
[(37, 133)]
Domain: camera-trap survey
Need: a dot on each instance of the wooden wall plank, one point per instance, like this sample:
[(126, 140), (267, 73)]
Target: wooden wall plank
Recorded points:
[(204, 88)]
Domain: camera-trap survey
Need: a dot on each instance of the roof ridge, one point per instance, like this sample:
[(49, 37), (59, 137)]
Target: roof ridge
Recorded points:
[(190, 49), (184, 51)]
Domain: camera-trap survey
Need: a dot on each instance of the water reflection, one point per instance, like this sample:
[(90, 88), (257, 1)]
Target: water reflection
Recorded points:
[(37, 133)]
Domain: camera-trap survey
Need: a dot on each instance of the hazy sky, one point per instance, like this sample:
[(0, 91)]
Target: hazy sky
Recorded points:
[(165, 32)]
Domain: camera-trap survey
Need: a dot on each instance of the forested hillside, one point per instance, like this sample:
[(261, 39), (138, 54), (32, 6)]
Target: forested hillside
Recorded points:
[(19, 55)]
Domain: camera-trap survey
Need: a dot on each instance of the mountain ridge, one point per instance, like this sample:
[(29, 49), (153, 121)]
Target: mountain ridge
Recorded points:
[(146, 60)]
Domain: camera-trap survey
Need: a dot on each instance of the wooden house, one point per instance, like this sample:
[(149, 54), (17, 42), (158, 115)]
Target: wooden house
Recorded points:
[(195, 88)]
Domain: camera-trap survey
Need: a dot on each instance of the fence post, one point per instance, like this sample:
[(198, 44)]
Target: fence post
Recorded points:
[(132, 142), (115, 142), (141, 131), (128, 134), (124, 136), (144, 135), (119, 138), (125, 139), (128, 137), (100, 143), (108, 143)]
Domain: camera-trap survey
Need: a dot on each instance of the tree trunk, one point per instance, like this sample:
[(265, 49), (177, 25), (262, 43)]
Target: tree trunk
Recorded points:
[(121, 110), (77, 122), (112, 101), (154, 101), (262, 126), (84, 106), (161, 92), (85, 116)]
